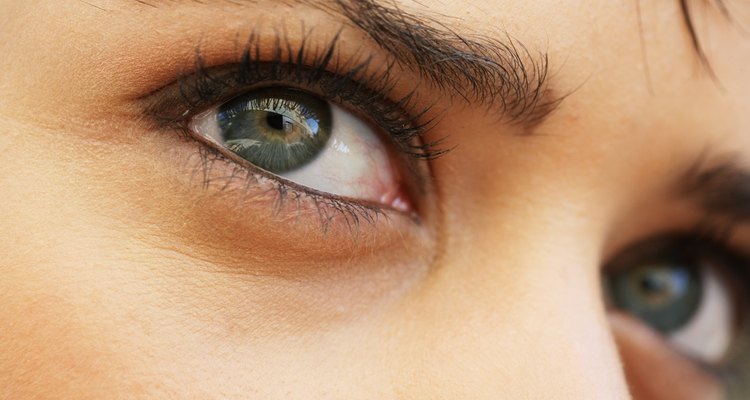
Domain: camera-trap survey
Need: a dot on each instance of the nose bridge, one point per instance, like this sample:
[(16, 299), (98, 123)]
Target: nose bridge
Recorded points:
[(492, 323)]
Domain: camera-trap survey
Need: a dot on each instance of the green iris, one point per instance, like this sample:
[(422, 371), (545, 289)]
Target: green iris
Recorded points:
[(276, 129), (659, 284)]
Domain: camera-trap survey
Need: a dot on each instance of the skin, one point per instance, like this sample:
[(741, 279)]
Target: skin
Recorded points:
[(123, 278)]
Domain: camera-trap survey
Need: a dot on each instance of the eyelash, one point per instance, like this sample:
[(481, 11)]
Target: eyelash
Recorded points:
[(353, 85), (368, 92)]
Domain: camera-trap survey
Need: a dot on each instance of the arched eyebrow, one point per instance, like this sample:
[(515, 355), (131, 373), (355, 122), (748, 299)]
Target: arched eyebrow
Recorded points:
[(500, 73)]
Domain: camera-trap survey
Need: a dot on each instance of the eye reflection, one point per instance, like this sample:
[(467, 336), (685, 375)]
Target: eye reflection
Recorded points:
[(664, 294), (277, 130), (307, 140)]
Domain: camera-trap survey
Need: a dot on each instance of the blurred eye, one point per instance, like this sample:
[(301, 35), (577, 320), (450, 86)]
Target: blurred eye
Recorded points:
[(307, 140), (685, 289)]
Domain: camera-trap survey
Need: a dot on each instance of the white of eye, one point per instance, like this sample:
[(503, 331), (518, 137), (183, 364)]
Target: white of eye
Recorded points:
[(354, 163), (708, 335)]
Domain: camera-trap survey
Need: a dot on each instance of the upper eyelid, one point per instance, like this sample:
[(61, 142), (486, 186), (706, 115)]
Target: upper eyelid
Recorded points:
[(195, 85), (359, 80), (499, 72)]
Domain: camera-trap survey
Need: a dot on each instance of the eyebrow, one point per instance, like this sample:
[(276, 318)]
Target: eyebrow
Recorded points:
[(500, 73), (721, 189)]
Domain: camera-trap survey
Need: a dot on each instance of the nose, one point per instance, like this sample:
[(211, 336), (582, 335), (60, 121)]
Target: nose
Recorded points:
[(512, 321)]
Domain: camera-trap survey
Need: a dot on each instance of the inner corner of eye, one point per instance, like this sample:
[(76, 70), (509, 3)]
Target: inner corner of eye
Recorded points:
[(310, 141)]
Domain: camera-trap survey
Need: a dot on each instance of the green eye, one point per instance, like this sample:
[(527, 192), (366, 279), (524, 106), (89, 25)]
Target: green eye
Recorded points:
[(303, 138), (276, 129), (685, 288), (664, 291)]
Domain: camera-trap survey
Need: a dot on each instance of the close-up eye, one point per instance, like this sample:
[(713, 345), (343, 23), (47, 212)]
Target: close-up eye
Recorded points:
[(309, 141), (691, 291), (338, 134), (375, 199)]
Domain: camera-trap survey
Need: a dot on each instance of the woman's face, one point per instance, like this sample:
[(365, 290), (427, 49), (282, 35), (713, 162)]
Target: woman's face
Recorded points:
[(374, 199)]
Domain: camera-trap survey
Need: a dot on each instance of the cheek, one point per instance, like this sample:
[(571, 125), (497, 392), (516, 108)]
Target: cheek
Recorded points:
[(61, 337)]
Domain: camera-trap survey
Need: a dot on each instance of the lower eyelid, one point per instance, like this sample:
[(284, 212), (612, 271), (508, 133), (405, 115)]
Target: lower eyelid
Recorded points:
[(177, 192), (232, 178), (360, 182), (646, 355)]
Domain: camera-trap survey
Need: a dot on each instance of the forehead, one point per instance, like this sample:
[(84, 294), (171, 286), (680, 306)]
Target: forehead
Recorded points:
[(629, 61)]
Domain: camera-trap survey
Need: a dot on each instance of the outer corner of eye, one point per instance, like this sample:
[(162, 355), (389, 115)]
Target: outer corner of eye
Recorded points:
[(309, 141)]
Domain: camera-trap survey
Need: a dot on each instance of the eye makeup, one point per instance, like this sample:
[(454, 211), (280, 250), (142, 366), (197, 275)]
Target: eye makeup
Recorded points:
[(356, 82)]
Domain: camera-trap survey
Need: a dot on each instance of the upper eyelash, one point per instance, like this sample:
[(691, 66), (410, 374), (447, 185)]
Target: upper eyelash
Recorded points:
[(354, 84)]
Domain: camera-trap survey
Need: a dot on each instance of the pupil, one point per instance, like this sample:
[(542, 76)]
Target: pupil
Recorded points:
[(276, 129), (275, 121), (651, 285), (663, 284)]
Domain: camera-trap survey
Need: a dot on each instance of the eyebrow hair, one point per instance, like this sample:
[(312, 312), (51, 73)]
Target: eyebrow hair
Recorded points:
[(478, 68), (722, 189), (501, 74)]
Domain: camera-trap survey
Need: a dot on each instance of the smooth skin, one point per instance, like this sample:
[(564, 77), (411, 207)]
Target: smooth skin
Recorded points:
[(123, 278)]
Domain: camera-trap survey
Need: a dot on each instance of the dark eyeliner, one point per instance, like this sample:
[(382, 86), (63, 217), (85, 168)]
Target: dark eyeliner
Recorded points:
[(356, 84)]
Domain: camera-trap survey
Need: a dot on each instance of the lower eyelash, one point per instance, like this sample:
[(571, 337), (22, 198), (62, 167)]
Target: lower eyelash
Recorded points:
[(285, 194)]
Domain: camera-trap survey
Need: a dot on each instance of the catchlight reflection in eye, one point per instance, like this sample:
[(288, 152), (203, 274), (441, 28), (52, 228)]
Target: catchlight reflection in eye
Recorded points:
[(307, 140)]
